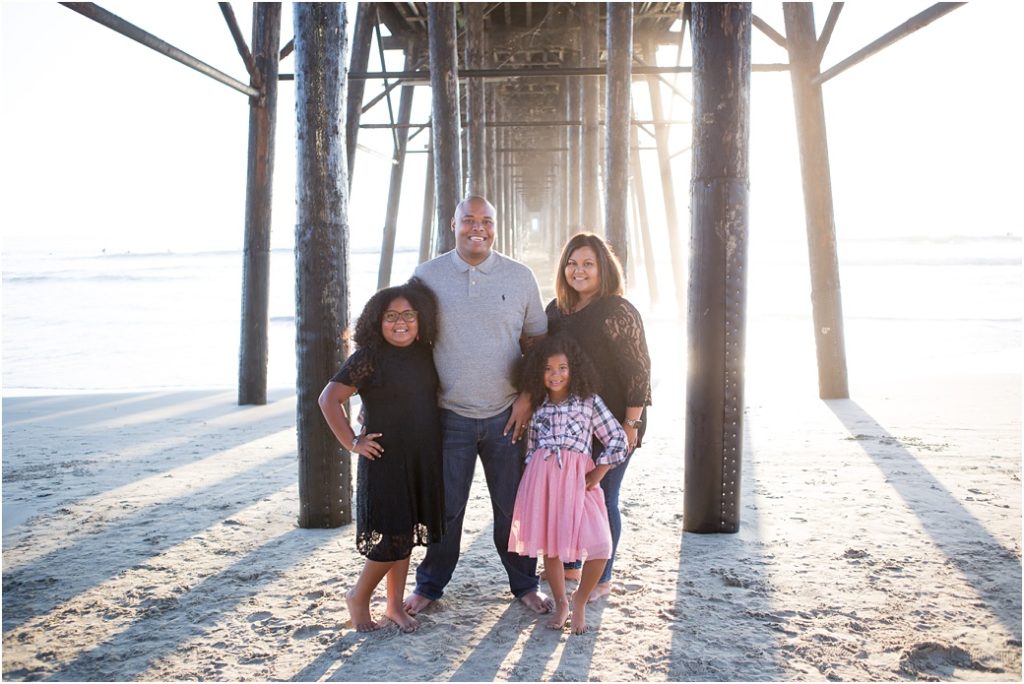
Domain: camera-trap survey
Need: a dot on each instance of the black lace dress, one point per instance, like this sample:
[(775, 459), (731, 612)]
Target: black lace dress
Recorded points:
[(611, 332), (399, 496)]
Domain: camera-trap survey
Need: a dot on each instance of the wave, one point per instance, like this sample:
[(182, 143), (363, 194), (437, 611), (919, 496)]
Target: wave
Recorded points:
[(934, 261), (231, 253), (67, 276), (847, 317), (934, 239)]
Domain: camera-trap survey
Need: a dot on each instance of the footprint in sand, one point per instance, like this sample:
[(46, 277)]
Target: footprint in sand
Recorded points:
[(256, 617), (930, 658)]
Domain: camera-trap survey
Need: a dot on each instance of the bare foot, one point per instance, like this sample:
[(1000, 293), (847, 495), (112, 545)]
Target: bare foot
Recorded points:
[(571, 575), (579, 616), (559, 615), (360, 614), (416, 603), (405, 622), (600, 591), (537, 602)]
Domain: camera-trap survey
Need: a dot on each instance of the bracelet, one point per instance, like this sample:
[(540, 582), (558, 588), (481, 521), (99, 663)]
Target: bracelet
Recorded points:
[(633, 422), (355, 442)]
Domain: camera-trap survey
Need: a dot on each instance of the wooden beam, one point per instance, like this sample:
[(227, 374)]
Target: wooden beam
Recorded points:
[(719, 216), (643, 223), (590, 199), (444, 90), (476, 114), (387, 247), (321, 257), (240, 44), (619, 46), (676, 242), (259, 187), (362, 38), (830, 26), (129, 30), (826, 297), (916, 22), (765, 28)]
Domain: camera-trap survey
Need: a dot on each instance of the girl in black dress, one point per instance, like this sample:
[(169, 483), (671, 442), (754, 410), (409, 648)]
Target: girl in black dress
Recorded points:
[(399, 485)]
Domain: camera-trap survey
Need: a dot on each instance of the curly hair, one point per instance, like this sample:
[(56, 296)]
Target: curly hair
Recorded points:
[(608, 266), (583, 379), (368, 333)]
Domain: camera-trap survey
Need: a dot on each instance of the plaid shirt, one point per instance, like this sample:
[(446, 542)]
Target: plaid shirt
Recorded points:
[(571, 424)]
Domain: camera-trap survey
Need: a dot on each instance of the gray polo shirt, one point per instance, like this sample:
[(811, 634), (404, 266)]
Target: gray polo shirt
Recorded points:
[(483, 310)]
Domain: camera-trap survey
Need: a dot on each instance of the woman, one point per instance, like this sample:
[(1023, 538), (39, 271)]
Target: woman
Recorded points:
[(589, 307)]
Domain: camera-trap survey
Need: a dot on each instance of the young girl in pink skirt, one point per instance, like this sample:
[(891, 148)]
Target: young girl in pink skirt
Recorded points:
[(560, 512)]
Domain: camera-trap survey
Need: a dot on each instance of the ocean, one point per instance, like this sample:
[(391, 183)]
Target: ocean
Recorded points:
[(97, 321), (81, 321)]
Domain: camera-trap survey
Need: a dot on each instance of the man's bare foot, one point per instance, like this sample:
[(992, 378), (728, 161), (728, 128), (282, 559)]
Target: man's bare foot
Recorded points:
[(405, 622), (537, 602), (571, 575), (600, 591), (559, 615), (360, 614), (416, 603)]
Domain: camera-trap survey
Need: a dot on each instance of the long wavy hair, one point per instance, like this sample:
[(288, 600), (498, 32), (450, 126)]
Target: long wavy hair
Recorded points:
[(368, 333), (583, 379), (608, 267)]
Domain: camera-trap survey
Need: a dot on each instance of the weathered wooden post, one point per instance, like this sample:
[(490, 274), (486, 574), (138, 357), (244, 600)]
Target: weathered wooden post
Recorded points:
[(640, 198), (676, 245), (427, 222), (444, 91), (387, 247), (506, 197), (321, 256), (362, 37), (716, 323), (590, 191), (495, 176), (476, 112), (493, 184), (826, 299), (575, 114), (252, 359), (617, 106), (567, 167)]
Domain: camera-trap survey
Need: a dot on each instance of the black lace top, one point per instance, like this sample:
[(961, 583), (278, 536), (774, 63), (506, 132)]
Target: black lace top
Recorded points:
[(611, 333), (399, 496)]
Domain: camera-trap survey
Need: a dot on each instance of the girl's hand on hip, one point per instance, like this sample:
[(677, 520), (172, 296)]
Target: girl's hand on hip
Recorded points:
[(366, 445), (594, 477)]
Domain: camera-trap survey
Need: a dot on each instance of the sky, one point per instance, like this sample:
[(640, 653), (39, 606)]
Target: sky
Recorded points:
[(108, 145)]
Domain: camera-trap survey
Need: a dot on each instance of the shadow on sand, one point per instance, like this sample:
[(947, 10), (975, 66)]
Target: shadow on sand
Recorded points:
[(742, 597), (179, 420), (991, 570), (119, 657)]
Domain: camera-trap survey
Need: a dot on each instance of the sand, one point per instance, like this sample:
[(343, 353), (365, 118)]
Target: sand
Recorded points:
[(152, 536)]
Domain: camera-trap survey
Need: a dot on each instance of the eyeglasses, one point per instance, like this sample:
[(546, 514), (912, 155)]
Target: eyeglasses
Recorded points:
[(409, 315)]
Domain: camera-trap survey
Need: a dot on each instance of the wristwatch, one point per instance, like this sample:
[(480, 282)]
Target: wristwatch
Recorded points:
[(633, 422)]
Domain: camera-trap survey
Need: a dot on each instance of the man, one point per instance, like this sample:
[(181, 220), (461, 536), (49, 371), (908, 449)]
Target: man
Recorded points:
[(488, 305)]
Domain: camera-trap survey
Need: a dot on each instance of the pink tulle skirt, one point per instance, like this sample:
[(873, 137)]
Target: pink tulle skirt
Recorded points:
[(555, 515)]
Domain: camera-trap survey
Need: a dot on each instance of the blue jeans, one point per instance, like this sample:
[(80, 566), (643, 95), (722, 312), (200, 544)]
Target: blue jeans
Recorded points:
[(464, 440), (610, 485)]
